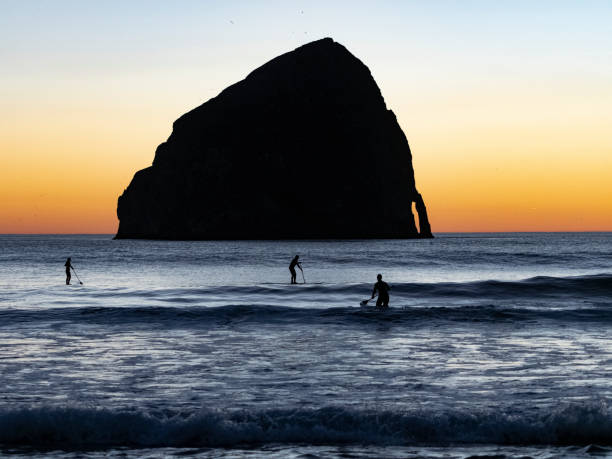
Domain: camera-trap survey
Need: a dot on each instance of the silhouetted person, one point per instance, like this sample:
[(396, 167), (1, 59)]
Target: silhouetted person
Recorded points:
[(383, 292), (68, 265), (292, 266)]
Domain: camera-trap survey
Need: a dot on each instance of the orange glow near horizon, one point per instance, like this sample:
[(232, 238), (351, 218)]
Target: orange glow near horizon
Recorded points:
[(476, 172), (511, 133)]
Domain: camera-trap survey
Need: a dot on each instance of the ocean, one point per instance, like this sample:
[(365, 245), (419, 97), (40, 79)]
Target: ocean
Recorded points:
[(494, 345)]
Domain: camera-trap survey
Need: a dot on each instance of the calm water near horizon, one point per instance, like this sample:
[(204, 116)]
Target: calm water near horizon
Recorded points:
[(495, 344)]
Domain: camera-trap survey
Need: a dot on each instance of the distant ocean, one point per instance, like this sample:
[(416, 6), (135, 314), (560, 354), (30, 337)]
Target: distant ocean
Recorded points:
[(495, 344)]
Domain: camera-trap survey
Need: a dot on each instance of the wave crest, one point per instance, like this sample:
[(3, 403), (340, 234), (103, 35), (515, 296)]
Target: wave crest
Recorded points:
[(70, 427)]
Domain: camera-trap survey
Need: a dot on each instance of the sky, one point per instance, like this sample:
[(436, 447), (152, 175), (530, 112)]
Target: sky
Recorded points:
[(507, 105)]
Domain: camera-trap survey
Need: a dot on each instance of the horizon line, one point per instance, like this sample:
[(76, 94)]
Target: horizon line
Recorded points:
[(307, 239)]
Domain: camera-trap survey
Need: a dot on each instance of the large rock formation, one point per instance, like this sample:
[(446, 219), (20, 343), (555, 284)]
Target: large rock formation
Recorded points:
[(303, 147)]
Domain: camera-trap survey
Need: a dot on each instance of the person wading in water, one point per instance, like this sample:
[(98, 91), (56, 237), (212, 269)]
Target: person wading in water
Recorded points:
[(292, 266), (383, 292)]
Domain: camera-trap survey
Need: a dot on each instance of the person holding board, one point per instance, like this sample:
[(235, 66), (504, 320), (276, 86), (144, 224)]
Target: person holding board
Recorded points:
[(295, 262), (383, 292)]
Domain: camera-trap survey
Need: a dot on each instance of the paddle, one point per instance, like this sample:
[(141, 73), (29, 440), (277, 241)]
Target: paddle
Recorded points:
[(364, 302), (302, 273), (77, 276)]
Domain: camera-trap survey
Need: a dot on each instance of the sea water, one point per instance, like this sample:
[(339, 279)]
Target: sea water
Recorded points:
[(495, 344)]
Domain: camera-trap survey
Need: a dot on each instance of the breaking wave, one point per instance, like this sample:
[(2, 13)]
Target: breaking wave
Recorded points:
[(70, 427)]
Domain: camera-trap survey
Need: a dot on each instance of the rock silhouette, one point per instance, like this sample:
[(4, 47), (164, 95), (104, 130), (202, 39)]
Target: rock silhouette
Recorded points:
[(303, 147)]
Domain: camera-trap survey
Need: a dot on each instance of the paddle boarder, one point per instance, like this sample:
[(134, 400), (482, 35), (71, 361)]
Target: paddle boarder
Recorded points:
[(383, 292), (68, 266), (295, 262)]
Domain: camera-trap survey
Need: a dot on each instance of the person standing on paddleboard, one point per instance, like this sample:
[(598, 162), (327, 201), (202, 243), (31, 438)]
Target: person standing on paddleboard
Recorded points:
[(292, 266), (383, 292), (68, 265)]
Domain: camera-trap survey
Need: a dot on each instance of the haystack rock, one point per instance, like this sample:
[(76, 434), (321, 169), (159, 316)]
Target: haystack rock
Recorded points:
[(303, 147)]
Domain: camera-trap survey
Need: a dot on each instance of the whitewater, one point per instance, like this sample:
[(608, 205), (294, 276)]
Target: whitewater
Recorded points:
[(495, 344)]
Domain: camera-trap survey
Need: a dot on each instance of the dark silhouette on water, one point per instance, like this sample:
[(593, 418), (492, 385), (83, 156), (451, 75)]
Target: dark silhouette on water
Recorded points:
[(383, 292), (68, 266), (313, 116), (292, 266)]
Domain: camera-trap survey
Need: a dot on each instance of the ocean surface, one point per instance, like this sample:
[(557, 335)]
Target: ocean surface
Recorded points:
[(494, 345)]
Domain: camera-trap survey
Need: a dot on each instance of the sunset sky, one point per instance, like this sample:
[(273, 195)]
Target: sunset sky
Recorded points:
[(507, 105)]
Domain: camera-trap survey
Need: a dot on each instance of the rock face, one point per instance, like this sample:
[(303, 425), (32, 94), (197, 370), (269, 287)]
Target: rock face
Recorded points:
[(303, 147)]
